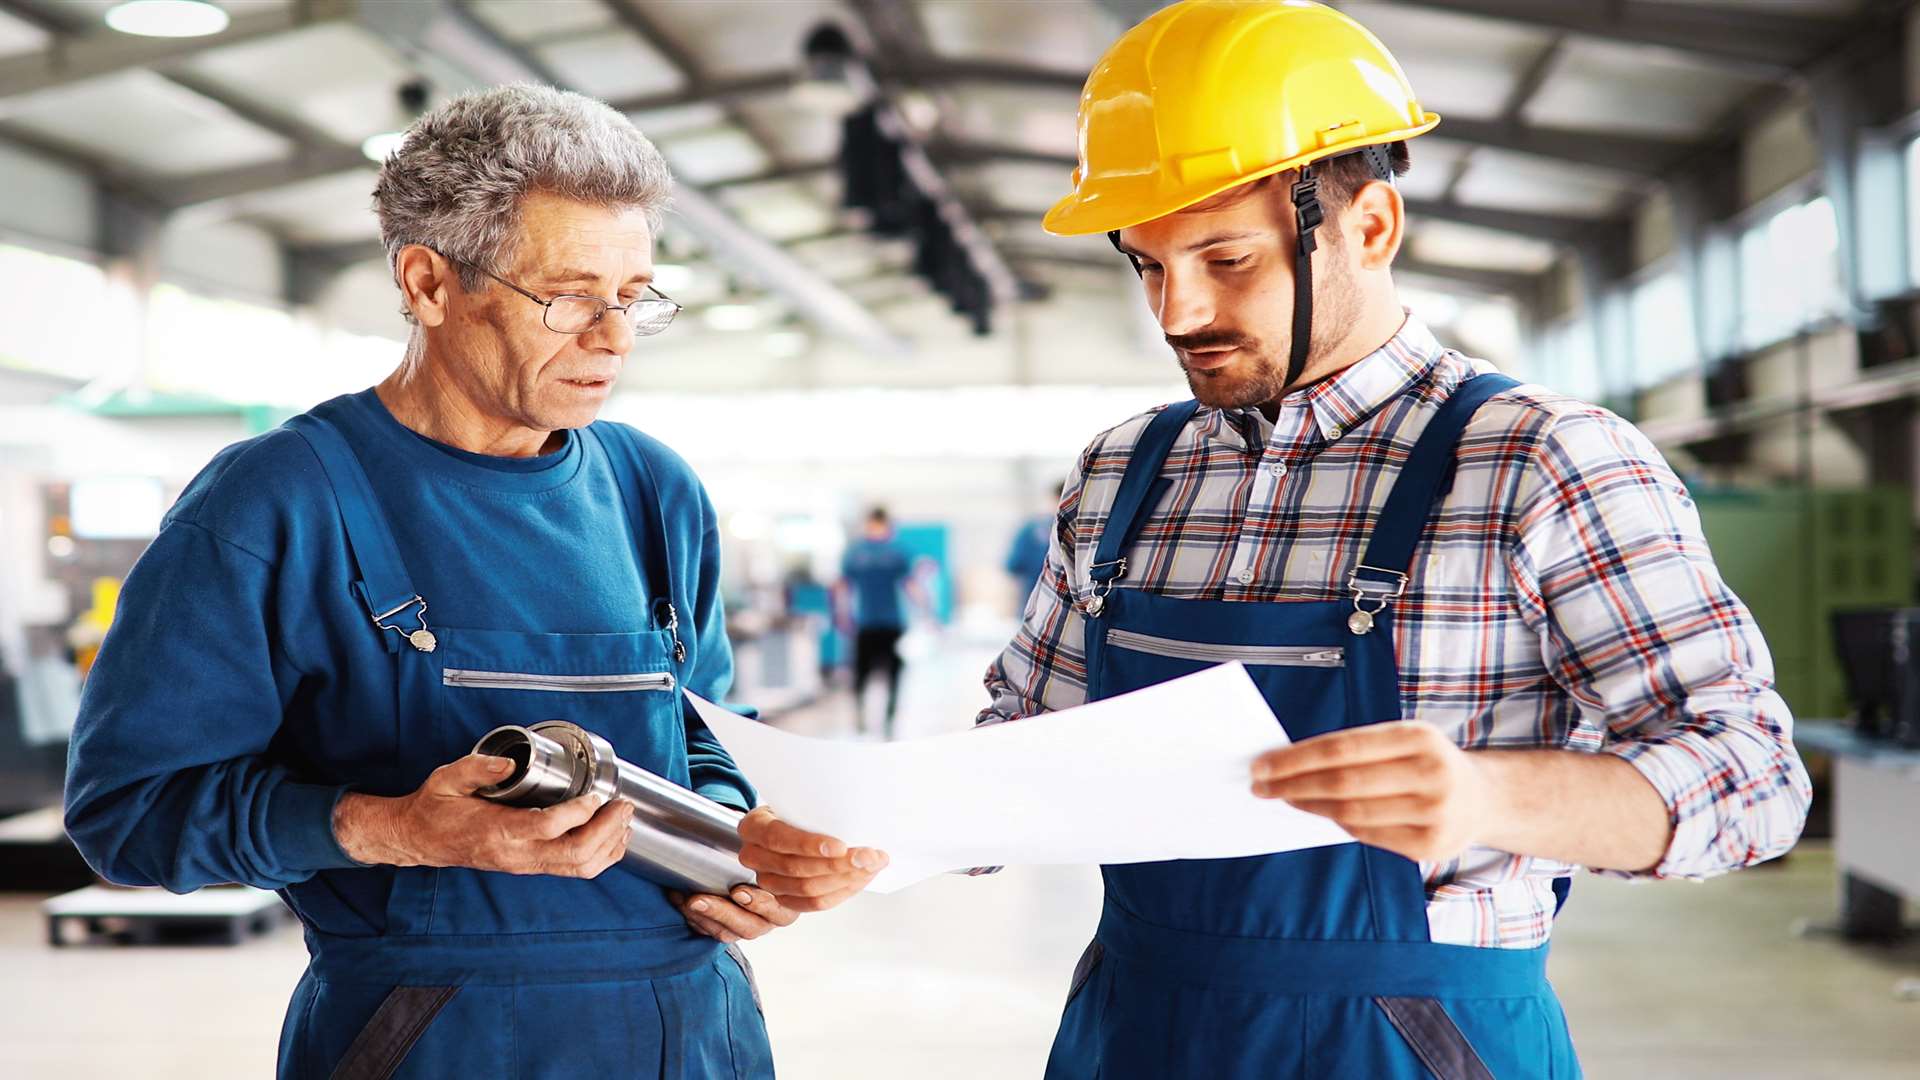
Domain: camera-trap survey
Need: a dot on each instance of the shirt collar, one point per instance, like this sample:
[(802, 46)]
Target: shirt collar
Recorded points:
[(1335, 405)]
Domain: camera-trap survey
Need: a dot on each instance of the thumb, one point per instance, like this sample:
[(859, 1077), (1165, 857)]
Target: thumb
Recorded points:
[(471, 773), (756, 823)]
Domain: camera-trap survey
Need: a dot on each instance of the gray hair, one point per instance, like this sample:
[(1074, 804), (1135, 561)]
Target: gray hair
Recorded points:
[(457, 180)]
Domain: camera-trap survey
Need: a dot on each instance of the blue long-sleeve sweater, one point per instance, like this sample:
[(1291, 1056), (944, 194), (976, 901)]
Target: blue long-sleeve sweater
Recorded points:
[(242, 688)]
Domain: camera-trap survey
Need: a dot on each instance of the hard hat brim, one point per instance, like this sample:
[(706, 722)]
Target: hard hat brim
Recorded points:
[(1105, 206)]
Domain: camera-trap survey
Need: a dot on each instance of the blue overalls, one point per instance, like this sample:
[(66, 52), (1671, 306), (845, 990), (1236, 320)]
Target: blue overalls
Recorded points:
[(498, 975), (1306, 964)]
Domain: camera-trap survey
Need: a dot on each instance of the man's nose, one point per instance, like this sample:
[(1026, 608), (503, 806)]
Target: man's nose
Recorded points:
[(613, 333), (1185, 305)]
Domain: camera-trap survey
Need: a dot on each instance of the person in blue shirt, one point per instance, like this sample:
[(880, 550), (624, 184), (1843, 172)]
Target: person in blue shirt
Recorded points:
[(874, 577), (1028, 555), (336, 610)]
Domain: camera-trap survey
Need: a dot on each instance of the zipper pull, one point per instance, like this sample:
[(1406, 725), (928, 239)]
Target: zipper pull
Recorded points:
[(1328, 657)]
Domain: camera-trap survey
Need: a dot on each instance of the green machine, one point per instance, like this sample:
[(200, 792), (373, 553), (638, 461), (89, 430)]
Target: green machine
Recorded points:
[(1795, 556)]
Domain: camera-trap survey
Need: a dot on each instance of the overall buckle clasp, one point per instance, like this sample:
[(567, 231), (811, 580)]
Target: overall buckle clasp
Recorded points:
[(1103, 576), (423, 638), (1379, 593)]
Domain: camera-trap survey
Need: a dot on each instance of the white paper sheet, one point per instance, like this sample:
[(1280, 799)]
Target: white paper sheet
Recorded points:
[(1161, 773)]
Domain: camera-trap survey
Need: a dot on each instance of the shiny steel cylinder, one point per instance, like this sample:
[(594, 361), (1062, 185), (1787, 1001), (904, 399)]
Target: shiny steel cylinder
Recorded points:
[(677, 839)]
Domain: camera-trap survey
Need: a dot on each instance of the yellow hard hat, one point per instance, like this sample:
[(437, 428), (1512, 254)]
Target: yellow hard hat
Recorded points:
[(1206, 95)]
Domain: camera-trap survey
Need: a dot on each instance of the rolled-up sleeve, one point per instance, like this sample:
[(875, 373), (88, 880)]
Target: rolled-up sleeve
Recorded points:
[(1614, 575)]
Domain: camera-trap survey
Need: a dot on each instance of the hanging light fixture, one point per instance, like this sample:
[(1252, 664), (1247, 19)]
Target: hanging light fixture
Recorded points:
[(167, 18), (379, 147)]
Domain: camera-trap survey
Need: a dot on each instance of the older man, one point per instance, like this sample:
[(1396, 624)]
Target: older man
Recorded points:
[(337, 607)]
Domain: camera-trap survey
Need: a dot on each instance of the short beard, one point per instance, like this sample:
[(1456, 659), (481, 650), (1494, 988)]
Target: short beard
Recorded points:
[(1260, 377)]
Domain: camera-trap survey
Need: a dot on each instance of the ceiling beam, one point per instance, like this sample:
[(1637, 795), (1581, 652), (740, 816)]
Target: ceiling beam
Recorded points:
[(1749, 40), (456, 39), (1502, 282), (1632, 154), (1637, 155), (343, 254), (713, 91), (806, 170), (316, 153), (1627, 154), (56, 24), (1511, 110), (1550, 227), (101, 51), (212, 195), (650, 30), (965, 152)]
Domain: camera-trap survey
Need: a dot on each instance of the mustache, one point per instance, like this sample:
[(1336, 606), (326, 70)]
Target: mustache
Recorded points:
[(1209, 339)]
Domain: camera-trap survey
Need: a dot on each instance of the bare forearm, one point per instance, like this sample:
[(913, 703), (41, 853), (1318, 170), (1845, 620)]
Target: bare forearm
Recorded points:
[(1592, 810), (365, 826)]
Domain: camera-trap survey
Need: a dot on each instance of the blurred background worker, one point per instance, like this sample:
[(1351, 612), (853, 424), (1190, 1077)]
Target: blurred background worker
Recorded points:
[(1028, 555), (875, 577)]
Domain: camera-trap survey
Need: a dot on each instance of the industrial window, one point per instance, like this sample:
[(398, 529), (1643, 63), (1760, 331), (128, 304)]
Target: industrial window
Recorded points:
[(1912, 164), (1789, 273), (1664, 341), (58, 315), (1566, 360), (254, 355)]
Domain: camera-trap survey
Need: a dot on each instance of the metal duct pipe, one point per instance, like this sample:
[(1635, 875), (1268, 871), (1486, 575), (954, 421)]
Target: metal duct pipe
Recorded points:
[(677, 839)]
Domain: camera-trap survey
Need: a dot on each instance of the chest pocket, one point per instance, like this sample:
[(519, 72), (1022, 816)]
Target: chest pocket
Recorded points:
[(624, 687)]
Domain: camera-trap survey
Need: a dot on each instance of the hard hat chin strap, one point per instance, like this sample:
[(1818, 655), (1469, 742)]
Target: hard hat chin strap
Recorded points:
[(1307, 216)]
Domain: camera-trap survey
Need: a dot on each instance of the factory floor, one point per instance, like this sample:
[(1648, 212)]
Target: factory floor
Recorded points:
[(963, 978)]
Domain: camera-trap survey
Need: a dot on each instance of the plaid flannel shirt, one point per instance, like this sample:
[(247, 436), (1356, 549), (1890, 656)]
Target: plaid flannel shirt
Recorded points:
[(1562, 596)]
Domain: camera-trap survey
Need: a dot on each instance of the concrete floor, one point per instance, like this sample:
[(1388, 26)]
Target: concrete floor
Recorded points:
[(962, 978)]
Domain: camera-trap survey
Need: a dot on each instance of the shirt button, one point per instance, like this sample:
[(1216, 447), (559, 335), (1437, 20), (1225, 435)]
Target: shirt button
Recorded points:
[(1245, 577), (1277, 469), (1333, 433)]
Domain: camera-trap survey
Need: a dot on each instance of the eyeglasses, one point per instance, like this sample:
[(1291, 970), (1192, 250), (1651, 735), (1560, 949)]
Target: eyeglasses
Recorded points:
[(575, 313)]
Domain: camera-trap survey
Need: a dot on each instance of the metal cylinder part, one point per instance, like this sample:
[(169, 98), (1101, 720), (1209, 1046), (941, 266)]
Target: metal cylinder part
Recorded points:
[(677, 839)]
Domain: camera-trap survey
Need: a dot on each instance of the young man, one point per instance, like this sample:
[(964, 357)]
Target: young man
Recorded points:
[(1484, 611)]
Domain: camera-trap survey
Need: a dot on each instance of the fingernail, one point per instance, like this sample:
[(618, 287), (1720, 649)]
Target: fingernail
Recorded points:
[(826, 848), (865, 859), (699, 905), (743, 899), (498, 764)]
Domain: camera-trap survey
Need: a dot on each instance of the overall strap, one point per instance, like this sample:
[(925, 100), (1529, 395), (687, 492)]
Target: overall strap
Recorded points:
[(656, 552), (1139, 490), (384, 584), (1422, 481)]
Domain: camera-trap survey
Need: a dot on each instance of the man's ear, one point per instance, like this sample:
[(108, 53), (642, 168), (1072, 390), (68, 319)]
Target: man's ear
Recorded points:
[(427, 281), (1375, 222)]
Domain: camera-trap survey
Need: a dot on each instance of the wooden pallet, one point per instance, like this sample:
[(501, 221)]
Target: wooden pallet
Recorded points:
[(216, 915)]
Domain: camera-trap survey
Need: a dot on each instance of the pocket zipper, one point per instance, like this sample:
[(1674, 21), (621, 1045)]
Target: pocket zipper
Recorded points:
[(1257, 655), (564, 684)]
